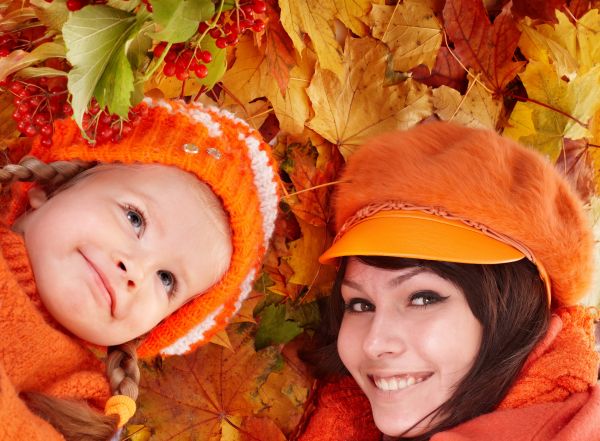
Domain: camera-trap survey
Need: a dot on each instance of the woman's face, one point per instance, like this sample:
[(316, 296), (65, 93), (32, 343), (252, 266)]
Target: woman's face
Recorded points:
[(408, 337)]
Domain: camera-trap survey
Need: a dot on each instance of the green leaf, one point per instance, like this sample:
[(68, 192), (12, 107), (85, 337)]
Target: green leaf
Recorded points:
[(306, 314), (54, 14), (274, 328), (140, 44), (94, 35), (179, 19), (116, 85)]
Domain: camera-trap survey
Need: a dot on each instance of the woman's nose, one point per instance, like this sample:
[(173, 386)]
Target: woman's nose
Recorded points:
[(384, 337)]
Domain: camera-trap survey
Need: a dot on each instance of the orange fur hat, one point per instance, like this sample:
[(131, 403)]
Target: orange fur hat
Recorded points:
[(479, 180), (227, 155)]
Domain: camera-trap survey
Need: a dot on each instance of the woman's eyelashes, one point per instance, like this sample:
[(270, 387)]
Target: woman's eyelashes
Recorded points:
[(425, 298), (419, 299), (359, 305), (136, 218)]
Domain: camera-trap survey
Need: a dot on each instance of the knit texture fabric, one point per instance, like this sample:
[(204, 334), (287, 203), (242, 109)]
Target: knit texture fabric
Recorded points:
[(562, 368), (481, 178), (233, 160), (36, 354)]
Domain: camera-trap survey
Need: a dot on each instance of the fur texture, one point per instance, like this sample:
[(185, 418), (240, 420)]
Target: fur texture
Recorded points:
[(483, 177)]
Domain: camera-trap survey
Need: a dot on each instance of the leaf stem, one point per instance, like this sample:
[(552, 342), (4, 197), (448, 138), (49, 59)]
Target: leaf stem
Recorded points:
[(316, 187), (547, 106), (153, 68)]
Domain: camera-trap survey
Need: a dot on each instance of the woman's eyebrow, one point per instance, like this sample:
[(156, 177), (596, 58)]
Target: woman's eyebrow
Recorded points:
[(353, 285), (392, 283), (404, 277)]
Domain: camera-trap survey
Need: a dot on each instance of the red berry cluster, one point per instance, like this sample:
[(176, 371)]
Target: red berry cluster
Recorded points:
[(181, 60), (38, 102), (234, 23), (8, 44), (25, 39), (101, 127)]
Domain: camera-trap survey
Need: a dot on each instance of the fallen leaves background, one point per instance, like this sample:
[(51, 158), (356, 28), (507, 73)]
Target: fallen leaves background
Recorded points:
[(323, 76)]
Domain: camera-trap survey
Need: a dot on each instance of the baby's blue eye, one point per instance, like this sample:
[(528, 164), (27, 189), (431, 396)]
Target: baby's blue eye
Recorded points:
[(167, 279), (135, 219)]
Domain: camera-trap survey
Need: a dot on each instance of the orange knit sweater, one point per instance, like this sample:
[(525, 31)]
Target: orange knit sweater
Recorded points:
[(556, 397), (35, 353)]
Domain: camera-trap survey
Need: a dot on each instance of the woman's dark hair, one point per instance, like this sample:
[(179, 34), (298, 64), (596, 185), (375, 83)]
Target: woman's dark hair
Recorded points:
[(510, 302)]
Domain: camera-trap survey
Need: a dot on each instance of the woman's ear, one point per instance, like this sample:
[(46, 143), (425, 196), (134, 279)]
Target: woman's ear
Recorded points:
[(37, 197)]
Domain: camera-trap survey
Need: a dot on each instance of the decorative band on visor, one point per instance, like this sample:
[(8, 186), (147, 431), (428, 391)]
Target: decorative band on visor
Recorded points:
[(403, 230)]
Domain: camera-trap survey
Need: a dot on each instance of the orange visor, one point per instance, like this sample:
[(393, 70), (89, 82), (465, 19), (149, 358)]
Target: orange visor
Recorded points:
[(419, 235)]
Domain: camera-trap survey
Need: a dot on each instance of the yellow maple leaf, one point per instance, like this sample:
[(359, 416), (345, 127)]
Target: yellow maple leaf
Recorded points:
[(562, 109), (303, 259), (249, 78), (571, 48), (594, 152), (550, 44), (477, 108), (352, 13), (357, 105), (588, 39), (411, 31), (520, 123), (313, 18)]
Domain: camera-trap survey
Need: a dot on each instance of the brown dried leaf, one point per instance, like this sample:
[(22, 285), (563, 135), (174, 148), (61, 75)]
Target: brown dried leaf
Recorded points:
[(477, 108), (576, 164), (356, 105)]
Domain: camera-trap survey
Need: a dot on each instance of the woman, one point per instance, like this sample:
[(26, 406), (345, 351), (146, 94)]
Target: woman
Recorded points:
[(461, 258)]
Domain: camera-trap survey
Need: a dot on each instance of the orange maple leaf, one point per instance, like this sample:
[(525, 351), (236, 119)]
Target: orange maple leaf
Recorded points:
[(308, 167), (215, 394), (487, 49), (279, 52)]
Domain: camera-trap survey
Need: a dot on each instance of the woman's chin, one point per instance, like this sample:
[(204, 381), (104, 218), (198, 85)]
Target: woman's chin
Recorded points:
[(398, 426)]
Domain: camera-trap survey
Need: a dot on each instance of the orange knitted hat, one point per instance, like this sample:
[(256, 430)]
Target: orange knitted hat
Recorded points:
[(476, 183), (234, 161)]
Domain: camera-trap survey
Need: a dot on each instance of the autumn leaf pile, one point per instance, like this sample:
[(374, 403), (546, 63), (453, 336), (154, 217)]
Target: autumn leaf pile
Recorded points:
[(317, 79)]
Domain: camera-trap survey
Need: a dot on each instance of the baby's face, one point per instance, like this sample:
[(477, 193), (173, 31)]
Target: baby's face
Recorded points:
[(123, 248)]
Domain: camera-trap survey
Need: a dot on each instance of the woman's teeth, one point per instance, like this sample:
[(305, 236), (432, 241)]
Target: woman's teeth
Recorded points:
[(397, 383)]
